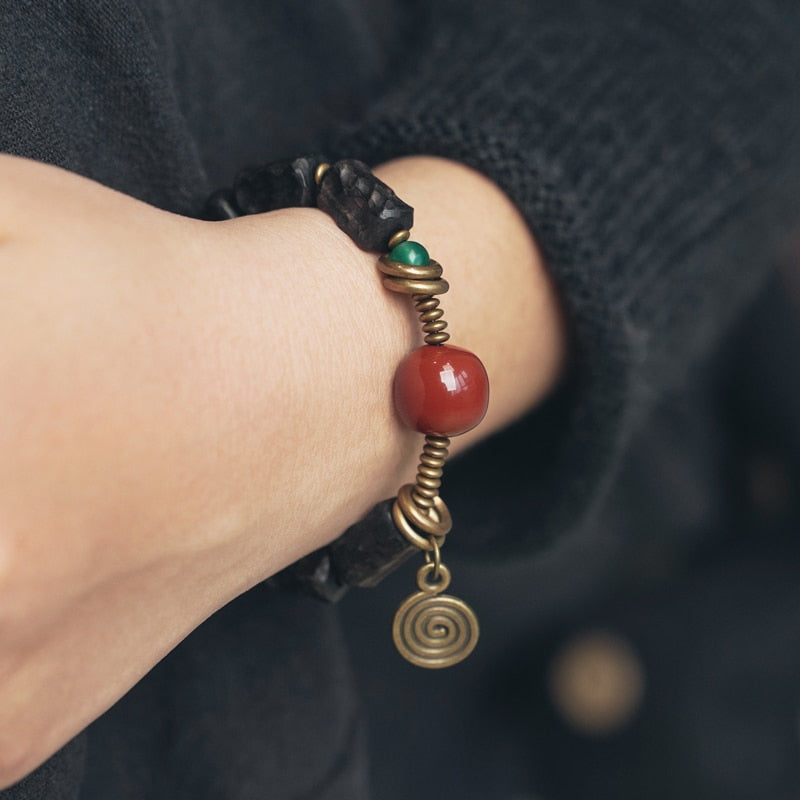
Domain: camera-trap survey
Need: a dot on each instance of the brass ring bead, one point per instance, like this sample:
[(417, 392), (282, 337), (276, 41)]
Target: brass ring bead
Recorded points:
[(412, 286), (418, 272), (319, 172), (390, 267), (398, 238)]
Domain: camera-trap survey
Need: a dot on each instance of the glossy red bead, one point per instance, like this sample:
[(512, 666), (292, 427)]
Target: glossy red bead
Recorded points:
[(441, 390)]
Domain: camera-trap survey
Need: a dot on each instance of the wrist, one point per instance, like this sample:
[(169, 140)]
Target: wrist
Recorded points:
[(360, 332)]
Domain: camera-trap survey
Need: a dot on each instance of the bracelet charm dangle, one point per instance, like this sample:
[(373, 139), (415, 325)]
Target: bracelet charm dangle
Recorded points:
[(441, 391), (431, 629)]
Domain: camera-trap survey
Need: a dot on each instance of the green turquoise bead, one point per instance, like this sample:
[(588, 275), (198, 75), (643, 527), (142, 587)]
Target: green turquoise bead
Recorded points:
[(411, 253)]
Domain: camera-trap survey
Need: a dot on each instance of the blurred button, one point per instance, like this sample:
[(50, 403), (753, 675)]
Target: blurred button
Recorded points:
[(597, 682)]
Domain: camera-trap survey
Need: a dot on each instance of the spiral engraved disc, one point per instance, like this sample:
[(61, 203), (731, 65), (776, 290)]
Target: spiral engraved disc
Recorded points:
[(435, 630)]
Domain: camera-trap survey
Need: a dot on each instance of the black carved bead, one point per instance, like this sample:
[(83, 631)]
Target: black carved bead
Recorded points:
[(363, 206), (371, 549), (312, 575), (282, 184), (362, 556)]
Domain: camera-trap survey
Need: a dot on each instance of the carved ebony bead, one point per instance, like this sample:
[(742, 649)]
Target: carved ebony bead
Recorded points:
[(363, 206), (282, 184), (362, 556), (371, 549)]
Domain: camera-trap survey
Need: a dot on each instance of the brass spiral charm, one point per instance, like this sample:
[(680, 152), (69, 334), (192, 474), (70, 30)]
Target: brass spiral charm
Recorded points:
[(431, 629)]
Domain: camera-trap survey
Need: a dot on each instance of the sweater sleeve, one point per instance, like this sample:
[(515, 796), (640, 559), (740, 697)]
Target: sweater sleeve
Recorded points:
[(652, 146)]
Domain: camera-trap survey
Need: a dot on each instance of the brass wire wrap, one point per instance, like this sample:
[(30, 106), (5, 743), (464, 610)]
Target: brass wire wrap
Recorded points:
[(404, 526), (422, 283), (418, 510), (423, 287), (395, 269), (408, 279), (433, 520)]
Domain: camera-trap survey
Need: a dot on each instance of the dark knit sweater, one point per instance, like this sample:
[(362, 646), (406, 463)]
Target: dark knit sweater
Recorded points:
[(653, 148)]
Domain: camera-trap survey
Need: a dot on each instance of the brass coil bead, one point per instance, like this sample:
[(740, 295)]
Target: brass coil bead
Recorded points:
[(430, 470), (431, 316), (422, 282), (420, 512)]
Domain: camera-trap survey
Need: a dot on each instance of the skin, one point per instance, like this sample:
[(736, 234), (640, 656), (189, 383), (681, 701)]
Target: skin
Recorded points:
[(177, 407)]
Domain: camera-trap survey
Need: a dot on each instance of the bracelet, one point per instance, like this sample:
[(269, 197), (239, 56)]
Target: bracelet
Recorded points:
[(439, 390)]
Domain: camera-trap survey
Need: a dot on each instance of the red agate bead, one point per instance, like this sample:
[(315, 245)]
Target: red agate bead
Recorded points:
[(441, 390)]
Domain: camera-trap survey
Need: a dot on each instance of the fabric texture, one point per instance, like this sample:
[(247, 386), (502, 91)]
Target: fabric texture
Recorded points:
[(653, 148), (644, 147)]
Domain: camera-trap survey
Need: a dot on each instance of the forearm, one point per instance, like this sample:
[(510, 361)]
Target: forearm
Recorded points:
[(189, 407)]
